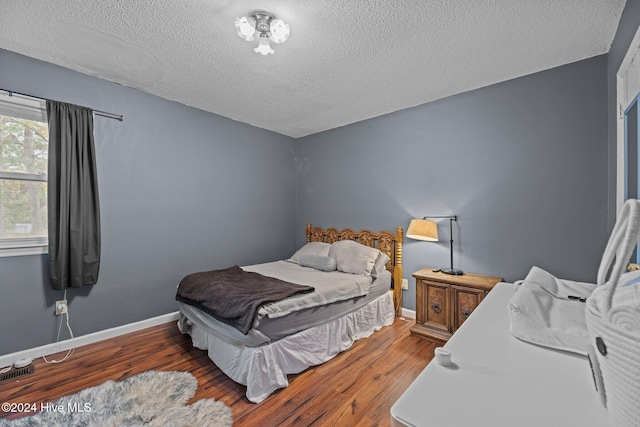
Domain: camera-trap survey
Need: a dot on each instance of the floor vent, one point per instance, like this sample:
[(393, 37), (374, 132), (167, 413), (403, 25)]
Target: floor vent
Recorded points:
[(15, 373)]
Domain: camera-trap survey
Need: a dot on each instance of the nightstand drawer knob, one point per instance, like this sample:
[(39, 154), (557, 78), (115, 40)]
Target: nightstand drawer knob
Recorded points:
[(466, 312), (436, 307)]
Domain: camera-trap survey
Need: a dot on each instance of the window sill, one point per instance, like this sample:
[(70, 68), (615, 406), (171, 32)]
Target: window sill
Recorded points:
[(24, 247)]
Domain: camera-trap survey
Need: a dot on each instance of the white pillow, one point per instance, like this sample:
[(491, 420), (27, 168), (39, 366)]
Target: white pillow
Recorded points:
[(353, 257), (380, 265), (322, 263), (313, 248)]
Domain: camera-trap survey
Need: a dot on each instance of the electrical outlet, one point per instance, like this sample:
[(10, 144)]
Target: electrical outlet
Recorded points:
[(61, 307), (405, 284)]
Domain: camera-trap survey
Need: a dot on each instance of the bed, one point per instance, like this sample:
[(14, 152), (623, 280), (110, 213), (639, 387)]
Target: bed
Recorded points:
[(308, 328), (498, 380)]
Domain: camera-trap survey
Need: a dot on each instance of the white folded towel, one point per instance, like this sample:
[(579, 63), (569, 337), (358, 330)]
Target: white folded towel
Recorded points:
[(550, 312)]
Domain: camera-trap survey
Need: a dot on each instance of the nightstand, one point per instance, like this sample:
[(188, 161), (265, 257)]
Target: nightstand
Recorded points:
[(443, 301)]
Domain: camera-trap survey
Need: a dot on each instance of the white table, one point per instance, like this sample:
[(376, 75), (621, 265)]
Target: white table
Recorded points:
[(498, 380)]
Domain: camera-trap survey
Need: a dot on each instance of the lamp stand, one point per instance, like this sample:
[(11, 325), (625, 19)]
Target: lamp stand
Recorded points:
[(452, 271)]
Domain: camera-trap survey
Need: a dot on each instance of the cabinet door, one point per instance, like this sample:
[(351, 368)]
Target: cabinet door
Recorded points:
[(437, 306), (465, 300)]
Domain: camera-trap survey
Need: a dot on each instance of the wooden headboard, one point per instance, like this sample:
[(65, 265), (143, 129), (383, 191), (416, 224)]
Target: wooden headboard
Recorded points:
[(387, 242)]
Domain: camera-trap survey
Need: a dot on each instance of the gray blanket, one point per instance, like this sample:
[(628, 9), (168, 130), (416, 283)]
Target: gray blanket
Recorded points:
[(233, 295)]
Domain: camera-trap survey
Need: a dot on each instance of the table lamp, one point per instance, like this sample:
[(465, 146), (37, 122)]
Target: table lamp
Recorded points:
[(427, 230)]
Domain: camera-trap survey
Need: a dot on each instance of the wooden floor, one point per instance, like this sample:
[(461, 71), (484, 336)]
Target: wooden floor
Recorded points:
[(356, 388)]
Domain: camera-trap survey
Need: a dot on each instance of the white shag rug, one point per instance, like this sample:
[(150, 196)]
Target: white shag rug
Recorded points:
[(153, 398)]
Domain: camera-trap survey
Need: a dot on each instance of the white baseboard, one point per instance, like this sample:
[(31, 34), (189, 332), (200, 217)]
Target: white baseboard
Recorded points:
[(46, 350), (409, 314)]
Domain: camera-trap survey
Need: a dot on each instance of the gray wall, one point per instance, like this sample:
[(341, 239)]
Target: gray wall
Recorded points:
[(627, 28), (523, 163), (181, 190)]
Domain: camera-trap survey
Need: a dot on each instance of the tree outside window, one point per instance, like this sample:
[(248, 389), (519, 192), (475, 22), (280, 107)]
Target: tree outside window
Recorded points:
[(23, 172)]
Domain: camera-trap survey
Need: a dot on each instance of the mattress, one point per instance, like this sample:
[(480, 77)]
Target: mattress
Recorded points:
[(264, 368), (280, 327), (498, 380), (268, 328)]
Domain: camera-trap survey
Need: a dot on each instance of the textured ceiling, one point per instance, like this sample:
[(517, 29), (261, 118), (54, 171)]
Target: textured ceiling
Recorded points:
[(345, 61)]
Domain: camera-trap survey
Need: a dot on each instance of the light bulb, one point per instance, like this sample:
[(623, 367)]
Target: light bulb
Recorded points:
[(246, 27), (279, 31), (264, 47)]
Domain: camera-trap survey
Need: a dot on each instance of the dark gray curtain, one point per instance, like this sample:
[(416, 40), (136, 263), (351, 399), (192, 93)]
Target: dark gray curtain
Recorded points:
[(74, 209)]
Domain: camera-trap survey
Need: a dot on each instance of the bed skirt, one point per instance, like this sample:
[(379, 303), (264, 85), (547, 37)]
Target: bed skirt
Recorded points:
[(264, 369)]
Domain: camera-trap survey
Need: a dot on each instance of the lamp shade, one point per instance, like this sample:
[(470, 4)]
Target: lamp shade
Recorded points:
[(279, 31), (246, 28), (423, 229), (264, 47)]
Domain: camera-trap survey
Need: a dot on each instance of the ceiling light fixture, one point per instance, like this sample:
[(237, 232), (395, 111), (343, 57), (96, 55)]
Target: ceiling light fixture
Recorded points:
[(268, 28)]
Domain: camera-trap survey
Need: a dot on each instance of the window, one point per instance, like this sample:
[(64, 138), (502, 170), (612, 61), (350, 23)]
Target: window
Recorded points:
[(23, 175), (628, 129)]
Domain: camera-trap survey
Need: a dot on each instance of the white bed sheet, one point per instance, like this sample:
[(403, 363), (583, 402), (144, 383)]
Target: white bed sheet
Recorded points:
[(328, 287), (499, 381), (281, 327), (264, 369)]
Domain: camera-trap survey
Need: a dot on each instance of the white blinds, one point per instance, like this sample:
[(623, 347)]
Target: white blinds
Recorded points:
[(23, 107)]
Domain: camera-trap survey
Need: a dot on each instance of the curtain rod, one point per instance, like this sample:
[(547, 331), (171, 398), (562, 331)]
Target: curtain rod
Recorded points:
[(118, 117)]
